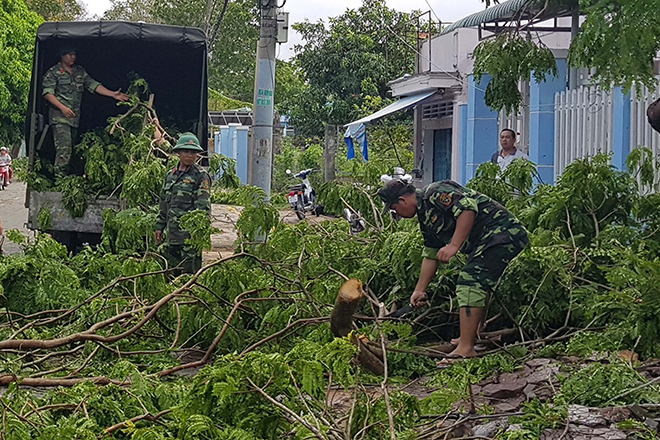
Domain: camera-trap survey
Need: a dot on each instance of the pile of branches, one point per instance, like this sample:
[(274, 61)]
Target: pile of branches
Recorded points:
[(122, 335), (122, 160)]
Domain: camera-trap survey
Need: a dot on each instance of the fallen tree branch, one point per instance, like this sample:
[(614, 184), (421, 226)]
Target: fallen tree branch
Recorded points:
[(304, 321), (90, 334), (149, 417), (291, 414), (70, 311), (633, 390), (57, 382)]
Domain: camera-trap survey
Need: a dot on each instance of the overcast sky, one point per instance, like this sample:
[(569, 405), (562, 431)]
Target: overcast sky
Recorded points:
[(446, 10)]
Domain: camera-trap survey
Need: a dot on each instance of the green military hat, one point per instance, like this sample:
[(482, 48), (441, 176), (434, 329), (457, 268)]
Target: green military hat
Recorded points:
[(66, 50), (188, 141), (392, 190)]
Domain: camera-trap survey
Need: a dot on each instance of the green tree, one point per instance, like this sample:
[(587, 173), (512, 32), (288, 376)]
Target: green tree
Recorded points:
[(130, 10), (232, 38), (232, 50), (619, 39), (351, 57), (232, 29), (58, 10), (18, 29)]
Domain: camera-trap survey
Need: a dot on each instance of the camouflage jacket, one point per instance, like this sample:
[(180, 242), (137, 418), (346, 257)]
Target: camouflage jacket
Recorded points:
[(440, 204), (68, 88), (183, 192)]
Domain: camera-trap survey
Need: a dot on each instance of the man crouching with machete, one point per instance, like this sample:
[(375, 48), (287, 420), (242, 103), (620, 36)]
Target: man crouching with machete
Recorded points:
[(454, 218)]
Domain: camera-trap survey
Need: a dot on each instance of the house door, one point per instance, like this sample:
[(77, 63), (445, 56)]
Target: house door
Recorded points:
[(441, 154)]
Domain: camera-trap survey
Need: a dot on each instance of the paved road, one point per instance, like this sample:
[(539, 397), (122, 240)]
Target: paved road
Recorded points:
[(14, 216), (13, 212)]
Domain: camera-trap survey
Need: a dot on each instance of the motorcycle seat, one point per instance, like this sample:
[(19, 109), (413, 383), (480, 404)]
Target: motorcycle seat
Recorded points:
[(296, 188)]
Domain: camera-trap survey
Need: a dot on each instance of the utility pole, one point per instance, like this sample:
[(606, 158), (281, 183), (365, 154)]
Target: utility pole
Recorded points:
[(330, 151), (575, 28), (261, 142)]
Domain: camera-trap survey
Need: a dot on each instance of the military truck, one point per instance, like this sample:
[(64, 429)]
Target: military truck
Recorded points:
[(172, 59)]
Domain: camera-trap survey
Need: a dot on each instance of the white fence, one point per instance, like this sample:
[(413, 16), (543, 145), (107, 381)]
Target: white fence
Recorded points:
[(583, 125), (641, 132), (584, 121)]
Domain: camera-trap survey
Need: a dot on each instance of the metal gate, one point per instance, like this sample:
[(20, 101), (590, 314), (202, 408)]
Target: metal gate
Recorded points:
[(583, 125)]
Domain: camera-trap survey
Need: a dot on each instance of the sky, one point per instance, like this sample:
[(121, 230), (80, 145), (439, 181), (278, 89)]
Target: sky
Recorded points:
[(299, 10)]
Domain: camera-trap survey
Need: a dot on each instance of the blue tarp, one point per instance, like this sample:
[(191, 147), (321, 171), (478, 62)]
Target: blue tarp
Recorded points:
[(357, 133), (401, 104)]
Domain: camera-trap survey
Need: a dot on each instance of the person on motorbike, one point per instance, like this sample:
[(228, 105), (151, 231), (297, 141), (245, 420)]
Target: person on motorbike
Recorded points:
[(5, 161)]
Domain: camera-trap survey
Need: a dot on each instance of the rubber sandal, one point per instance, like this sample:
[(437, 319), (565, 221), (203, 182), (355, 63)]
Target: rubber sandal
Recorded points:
[(449, 361)]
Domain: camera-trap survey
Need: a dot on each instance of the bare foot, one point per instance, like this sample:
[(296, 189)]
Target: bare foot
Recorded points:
[(455, 357), (463, 353)]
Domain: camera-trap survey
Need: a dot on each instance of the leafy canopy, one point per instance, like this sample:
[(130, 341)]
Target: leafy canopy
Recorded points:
[(18, 28), (618, 39), (351, 57)]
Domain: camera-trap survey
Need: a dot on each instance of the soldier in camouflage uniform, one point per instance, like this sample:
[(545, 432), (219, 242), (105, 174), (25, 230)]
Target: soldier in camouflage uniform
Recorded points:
[(63, 86), (454, 218), (186, 188)]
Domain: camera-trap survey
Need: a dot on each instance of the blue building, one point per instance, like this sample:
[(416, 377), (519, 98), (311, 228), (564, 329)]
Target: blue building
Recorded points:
[(562, 119)]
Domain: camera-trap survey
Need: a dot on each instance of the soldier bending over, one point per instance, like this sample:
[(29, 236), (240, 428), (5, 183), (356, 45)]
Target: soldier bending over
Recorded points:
[(454, 218)]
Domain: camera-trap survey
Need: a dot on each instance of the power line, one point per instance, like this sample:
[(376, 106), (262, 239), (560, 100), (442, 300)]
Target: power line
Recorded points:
[(414, 49), (431, 8)]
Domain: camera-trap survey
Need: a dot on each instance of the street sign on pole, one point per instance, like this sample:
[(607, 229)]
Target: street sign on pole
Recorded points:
[(261, 145)]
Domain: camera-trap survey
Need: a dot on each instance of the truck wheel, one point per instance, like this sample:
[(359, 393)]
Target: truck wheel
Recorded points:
[(67, 238)]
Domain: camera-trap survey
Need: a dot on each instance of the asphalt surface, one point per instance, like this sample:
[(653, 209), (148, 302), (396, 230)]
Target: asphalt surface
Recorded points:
[(13, 213)]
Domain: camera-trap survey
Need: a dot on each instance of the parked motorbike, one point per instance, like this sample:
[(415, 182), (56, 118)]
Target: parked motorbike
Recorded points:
[(355, 221), (302, 196), (4, 176), (399, 173)]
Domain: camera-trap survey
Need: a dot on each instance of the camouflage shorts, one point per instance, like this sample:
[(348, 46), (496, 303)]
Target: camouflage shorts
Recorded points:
[(182, 257), (478, 278)]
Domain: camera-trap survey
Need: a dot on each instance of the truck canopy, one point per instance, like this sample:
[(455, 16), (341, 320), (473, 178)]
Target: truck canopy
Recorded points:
[(172, 59)]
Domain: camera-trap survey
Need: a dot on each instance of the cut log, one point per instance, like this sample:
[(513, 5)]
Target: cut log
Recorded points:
[(367, 358), (348, 300)]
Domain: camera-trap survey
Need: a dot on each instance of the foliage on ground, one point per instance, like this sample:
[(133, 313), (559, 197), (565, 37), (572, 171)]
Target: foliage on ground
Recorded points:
[(116, 315)]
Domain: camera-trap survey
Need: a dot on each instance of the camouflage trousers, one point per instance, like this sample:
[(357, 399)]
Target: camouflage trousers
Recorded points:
[(64, 136), (183, 257), (478, 278)]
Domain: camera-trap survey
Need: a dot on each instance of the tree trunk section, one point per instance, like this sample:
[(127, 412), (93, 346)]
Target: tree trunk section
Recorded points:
[(330, 151), (341, 321), (368, 357)]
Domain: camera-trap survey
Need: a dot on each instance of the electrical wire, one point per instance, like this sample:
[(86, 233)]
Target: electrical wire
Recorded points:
[(222, 16), (414, 49), (431, 8)]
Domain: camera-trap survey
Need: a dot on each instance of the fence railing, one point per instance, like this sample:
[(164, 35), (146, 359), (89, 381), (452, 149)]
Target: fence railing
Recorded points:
[(583, 125), (641, 132)]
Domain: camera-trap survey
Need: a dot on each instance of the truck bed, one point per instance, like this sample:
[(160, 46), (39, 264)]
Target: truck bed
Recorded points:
[(91, 222)]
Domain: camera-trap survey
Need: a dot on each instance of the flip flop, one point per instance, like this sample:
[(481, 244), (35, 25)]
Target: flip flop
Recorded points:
[(449, 361)]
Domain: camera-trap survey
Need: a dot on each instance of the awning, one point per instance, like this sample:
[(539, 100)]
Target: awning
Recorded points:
[(401, 104), (511, 10)]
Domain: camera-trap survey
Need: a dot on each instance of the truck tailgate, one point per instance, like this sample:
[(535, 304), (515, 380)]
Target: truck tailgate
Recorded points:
[(91, 222)]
